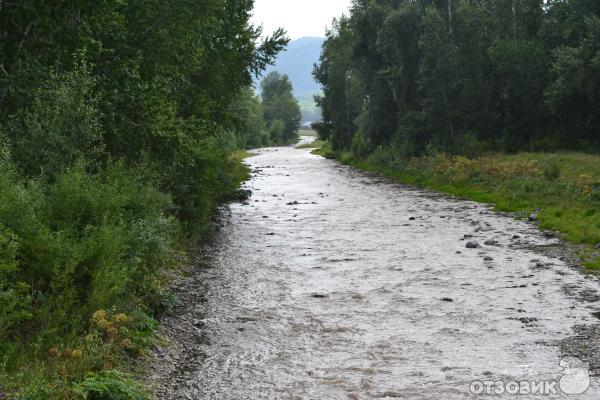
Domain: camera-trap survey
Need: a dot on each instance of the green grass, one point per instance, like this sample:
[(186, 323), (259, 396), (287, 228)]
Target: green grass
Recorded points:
[(324, 150), (240, 171), (564, 186), (307, 132), (317, 144)]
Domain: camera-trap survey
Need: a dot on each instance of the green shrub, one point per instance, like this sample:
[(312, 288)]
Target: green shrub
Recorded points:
[(552, 171), (108, 385), (276, 131), (360, 147), (385, 157), (15, 298), (86, 242)]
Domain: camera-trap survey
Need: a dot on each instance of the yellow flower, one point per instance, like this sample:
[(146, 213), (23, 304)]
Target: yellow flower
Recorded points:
[(99, 316), (104, 324), (54, 352), (76, 354), (121, 318), (112, 332), (584, 181), (126, 344)]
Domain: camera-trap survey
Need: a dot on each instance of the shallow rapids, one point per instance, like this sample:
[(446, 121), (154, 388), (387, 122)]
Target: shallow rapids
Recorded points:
[(331, 283)]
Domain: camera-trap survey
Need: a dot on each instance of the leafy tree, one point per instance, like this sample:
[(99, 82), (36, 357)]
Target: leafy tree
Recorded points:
[(280, 105), (341, 102), (250, 123), (455, 75), (574, 93), (117, 122)]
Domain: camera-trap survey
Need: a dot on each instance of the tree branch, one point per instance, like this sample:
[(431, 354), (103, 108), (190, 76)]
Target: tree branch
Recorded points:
[(25, 34)]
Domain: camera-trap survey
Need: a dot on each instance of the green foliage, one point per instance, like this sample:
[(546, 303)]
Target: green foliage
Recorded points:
[(248, 111), (281, 110), (360, 147), (277, 131), (15, 298), (341, 101), (108, 385), (552, 171), (61, 125), (575, 91), (462, 76), (117, 121), (85, 243)]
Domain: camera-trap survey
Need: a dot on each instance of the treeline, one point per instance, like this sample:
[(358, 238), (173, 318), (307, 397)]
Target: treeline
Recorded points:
[(462, 76), (117, 121), (272, 119)]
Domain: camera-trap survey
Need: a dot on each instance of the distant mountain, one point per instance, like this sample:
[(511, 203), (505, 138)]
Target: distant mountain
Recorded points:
[(297, 62)]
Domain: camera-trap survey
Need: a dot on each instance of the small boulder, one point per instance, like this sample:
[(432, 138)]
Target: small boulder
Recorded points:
[(472, 245), (488, 258), (491, 242), (533, 217)]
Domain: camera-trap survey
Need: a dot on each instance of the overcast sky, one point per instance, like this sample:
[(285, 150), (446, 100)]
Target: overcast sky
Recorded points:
[(298, 17)]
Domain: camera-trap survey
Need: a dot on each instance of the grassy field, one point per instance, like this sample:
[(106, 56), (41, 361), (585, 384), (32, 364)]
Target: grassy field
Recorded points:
[(563, 189)]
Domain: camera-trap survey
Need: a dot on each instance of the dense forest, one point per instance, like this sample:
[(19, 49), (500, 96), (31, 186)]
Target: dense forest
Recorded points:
[(462, 76), (118, 121)]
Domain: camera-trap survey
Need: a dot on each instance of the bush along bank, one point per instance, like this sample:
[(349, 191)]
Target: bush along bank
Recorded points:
[(118, 138), (83, 265), (560, 190)]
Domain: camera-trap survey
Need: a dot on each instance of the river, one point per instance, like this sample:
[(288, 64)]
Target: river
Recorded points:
[(331, 283)]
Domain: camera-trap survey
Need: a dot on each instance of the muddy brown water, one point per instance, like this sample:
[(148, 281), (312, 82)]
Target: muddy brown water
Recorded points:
[(331, 283)]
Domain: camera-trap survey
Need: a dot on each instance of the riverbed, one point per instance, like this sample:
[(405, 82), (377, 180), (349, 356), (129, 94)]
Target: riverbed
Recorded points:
[(332, 283)]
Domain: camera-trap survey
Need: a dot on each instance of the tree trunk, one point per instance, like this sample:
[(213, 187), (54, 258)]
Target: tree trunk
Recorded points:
[(514, 18), (450, 27), (347, 90), (447, 104), (25, 34)]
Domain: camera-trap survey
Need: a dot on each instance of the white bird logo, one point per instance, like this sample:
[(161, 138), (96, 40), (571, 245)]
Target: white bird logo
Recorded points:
[(576, 378)]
